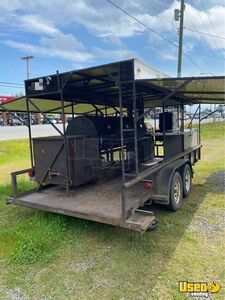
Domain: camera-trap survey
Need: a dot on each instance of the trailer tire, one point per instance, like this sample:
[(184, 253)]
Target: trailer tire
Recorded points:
[(154, 225), (187, 180), (176, 192)]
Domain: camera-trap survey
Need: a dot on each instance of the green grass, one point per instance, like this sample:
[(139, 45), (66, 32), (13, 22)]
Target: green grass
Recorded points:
[(49, 256), (213, 131), (14, 151)]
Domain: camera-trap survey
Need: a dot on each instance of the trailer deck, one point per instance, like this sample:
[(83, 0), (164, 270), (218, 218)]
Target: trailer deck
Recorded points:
[(96, 201)]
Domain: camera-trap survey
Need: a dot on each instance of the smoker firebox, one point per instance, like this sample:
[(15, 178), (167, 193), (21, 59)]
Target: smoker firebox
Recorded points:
[(83, 160)]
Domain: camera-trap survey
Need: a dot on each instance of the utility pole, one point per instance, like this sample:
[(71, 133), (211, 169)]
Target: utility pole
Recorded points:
[(27, 59), (179, 16)]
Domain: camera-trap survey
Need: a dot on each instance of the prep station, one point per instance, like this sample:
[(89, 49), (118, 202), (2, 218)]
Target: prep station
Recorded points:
[(106, 165)]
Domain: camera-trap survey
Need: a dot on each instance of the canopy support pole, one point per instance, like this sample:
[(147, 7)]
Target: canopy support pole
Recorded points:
[(66, 153), (199, 124), (190, 124), (29, 132), (72, 107)]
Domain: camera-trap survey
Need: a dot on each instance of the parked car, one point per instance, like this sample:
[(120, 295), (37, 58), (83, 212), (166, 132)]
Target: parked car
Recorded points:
[(52, 119), (32, 121), (58, 120), (15, 122)]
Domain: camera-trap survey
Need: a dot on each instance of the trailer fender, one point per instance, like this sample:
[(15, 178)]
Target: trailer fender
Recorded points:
[(163, 179)]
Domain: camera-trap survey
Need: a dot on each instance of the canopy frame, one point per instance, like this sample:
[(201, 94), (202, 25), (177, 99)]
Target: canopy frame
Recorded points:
[(114, 85)]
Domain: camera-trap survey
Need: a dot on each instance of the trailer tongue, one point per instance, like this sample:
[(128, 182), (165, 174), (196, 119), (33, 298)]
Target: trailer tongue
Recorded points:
[(106, 165)]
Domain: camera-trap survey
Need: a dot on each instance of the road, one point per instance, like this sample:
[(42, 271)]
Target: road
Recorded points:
[(20, 132)]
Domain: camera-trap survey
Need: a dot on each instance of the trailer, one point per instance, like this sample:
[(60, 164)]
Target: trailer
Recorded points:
[(106, 165)]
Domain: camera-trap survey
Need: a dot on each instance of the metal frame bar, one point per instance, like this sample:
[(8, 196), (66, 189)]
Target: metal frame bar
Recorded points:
[(72, 107), (62, 86), (134, 113), (168, 96), (42, 94), (14, 182), (123, 196), (135, 126), (45, 116), (199, 124), (164, 127), (182, 118), (98, 110), (190, 124), (52, 110), (155, 168), (203, 92), (188, 77), (209, 115), (29, 132), (154, 89)]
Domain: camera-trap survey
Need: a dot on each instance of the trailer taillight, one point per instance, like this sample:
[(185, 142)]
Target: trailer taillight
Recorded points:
[(148, 185), (133, 226), (31, 173)]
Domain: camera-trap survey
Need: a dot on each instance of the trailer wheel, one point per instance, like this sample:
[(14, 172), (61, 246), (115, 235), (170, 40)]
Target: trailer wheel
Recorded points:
[(154, 225), (176, 192), (187, 180)]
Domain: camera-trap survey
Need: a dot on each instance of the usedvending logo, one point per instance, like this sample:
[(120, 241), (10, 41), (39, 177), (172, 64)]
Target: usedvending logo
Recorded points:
[(199, 289)]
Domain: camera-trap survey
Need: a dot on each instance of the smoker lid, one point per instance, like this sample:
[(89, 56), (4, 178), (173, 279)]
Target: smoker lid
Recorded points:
[(98, 126), (81, 126)]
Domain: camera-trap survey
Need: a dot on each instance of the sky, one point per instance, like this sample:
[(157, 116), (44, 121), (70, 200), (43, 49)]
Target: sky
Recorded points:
[(66, 35)]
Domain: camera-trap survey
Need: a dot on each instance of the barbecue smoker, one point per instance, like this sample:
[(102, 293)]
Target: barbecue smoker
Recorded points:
[(104, 165), (94, 151)]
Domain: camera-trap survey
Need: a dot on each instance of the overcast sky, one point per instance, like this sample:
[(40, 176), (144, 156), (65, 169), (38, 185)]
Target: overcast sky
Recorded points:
[(65, 35)]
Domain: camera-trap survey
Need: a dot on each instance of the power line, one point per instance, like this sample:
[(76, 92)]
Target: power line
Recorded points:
[(166, 18), (11, 83), (203, 5), (206, 28), (153, 31), (143, 24), (198, 34), (213, 57), (204, 33), (11, 86), (192, 24)]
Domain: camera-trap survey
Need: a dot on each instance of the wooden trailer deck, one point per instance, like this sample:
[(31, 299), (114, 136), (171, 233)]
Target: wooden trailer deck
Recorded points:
[(99, 202)]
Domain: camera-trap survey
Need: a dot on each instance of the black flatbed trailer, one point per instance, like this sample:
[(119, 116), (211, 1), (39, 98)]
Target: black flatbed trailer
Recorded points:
[(131, 168)]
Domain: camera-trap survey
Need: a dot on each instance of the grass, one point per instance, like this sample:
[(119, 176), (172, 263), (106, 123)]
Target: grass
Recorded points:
[(14, 151), (48, 256)]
